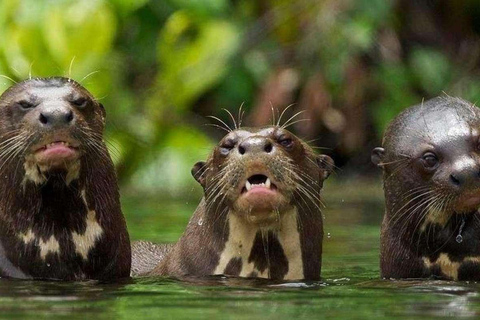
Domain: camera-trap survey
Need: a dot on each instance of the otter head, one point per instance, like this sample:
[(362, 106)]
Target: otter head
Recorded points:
[(431, 160), (259, 174), (47, 124)]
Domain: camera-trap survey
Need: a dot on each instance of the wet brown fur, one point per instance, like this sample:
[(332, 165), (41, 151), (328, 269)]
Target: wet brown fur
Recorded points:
[(300, 171), (53, 208), (415, 243)]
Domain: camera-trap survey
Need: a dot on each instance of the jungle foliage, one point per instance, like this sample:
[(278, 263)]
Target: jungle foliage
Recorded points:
[(161, 66)]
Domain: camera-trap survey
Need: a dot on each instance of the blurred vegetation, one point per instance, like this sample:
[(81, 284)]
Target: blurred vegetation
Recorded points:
[(161, 66)]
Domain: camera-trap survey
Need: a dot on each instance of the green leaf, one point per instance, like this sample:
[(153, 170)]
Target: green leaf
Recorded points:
[(431, 69), (193, 57), (202, 7)]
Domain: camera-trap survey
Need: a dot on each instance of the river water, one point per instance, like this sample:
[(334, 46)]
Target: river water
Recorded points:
[(350, 289)]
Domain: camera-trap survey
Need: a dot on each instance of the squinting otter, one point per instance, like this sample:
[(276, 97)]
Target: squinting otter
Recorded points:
[(60, 215), (260, 214), (431, 171)]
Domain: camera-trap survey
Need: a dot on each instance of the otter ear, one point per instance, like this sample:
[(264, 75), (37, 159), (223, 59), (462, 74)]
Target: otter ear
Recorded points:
[(377, 156), (198, 171), (326, 165)]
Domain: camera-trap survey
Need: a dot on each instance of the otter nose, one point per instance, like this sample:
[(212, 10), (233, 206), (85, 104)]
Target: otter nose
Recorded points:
[(56, 116), (465, 172), (255, 145)]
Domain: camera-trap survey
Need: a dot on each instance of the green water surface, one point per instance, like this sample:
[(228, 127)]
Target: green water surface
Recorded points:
[(351, 288)]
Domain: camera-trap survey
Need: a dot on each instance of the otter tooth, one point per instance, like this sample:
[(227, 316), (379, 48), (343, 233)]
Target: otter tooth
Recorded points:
[(248, 185), (268, 183)]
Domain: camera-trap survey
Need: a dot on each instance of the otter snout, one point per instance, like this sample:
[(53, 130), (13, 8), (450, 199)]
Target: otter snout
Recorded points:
[(54, 116), (465, 173), (256, 145)]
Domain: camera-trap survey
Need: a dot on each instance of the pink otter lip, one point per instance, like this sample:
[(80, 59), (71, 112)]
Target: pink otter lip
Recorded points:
[(54, 151), (258, 189)]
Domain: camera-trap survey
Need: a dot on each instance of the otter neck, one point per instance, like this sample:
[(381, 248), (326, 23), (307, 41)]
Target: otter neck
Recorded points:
[(264, 252), (427, 228), (50, 202)]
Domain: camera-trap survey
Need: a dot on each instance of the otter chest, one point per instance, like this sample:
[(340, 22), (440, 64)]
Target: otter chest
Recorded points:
[(52, 245), (268, 253), (465, 268)]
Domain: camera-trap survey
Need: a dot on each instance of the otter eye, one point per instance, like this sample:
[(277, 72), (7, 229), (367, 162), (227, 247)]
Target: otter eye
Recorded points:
[(430, 160), (285, 142), (227, 146), (80, 102), (25, 105)]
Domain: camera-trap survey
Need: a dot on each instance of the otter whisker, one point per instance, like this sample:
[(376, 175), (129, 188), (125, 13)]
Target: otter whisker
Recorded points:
[(222, 122), (30, 70), (273, 113), (8, 78), (303, 187), (21, 151), (383, 164), (218, 190), (399, 168), (400, 213), (17, 73), (287, 123), (89, 75), (423, 193), (70, 68), (301, 195), (217, 126), (283, 112), (423, 214), (231, 117), (322, 161), (241, 113), (294, 122), (312, 195), (12, 151), (446, 241), (424, 206), (9, 143), (201, 173)]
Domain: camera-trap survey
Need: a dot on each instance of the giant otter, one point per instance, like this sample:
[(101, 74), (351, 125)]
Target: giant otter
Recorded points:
[(260, 214), (431, 172), (60, 215)]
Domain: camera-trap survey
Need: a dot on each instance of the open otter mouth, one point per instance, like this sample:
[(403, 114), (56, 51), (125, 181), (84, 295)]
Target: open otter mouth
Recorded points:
[(258, 182)]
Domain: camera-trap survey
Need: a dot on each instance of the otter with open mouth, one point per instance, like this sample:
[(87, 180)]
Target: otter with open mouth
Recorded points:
[(431, 172), (60, 215), (260, 214)]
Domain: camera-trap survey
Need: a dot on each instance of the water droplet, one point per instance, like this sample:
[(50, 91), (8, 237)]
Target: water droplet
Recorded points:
[(329, 235), (459, 239), (343, 200), (48, 264), (200, 222)]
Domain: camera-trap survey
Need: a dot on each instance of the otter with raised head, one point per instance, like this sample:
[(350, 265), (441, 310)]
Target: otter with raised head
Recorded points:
[(60, 215), (431, 173), (260, 214)]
